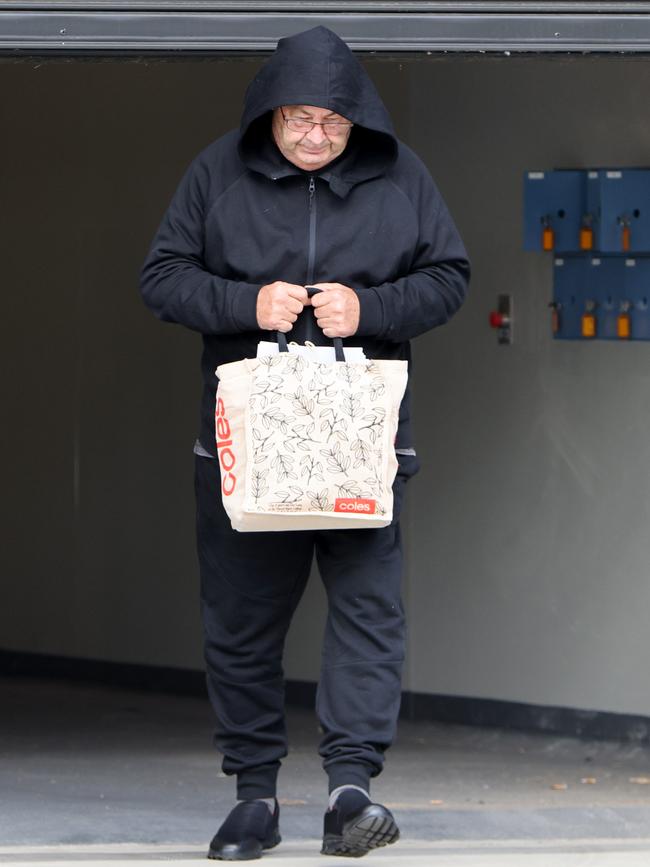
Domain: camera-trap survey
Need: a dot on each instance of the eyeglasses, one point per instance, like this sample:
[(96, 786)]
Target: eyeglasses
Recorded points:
[(330, 127)]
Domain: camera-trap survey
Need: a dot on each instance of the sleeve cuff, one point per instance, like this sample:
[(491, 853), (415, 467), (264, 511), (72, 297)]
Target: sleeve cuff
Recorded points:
[(244, 308), (371, 314)]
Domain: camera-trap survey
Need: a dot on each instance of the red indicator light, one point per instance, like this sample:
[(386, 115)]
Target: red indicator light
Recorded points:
[(498, 320)]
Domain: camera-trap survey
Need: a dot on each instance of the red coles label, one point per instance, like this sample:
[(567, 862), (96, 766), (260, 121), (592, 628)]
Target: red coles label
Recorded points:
[(227, 458), (354, 504)]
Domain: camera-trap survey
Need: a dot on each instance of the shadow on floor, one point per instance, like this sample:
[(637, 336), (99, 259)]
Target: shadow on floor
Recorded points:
[(85, 765)]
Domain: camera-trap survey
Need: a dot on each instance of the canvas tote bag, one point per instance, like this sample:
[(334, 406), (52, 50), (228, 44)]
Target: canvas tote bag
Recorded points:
[(306, 445)]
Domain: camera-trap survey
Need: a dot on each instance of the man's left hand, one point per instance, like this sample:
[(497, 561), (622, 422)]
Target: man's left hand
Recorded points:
[(336, 309)]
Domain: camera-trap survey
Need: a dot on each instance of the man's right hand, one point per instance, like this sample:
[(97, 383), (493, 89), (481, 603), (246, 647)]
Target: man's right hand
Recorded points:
[(279, 305)]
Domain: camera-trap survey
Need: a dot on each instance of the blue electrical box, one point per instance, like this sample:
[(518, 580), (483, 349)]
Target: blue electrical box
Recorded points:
[(637, 296), (597, 223), (554, 202), (588, 286), (608, 284), (607, 288), (571, 293), (618, 208)]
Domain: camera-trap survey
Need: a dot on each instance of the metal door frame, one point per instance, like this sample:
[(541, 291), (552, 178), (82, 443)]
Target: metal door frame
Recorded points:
[(73, 27)]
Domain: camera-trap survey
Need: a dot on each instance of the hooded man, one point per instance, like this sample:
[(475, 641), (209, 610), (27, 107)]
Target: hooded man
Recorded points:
[(314, 190)]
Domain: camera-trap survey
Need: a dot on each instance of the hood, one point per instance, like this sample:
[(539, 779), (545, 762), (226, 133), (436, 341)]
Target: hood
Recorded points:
[(317, 68)]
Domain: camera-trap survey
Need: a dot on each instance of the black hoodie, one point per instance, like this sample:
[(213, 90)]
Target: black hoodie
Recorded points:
[(243, 217)]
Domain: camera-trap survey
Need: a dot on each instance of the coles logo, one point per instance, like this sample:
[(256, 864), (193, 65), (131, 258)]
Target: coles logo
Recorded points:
[(227, 458), (354, 504)]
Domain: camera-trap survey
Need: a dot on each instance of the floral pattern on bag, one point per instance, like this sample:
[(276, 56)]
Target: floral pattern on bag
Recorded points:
[(317, 434)]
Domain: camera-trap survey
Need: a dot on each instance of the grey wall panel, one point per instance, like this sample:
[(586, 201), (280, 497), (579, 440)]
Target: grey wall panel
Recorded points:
[(530, 518), (527, 528)]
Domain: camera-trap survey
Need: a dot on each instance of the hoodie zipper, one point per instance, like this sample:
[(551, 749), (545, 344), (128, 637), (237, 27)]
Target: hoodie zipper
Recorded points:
[(312, 231), (311, 258)]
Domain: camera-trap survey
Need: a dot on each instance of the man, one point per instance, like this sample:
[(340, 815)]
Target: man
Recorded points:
[(314, 190)]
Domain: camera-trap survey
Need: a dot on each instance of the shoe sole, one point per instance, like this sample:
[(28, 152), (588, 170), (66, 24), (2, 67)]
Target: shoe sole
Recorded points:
[(374, 827), (248, 850)]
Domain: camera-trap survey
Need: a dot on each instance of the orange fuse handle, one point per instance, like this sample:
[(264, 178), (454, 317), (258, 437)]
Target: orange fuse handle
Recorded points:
[(624, 322), (626, 237), (548, 238), (623, 328), (588, 325)]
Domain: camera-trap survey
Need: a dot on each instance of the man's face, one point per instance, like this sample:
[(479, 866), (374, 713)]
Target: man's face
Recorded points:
[(310, 150)]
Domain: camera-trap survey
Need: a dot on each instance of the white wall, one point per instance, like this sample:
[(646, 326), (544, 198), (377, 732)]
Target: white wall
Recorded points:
[(526, 528)]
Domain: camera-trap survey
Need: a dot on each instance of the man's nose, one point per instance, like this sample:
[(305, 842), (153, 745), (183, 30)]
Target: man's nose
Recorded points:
[(317, 136)]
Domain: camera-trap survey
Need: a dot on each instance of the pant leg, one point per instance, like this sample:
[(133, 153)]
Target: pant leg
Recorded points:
[(359, 692), (250, 586)]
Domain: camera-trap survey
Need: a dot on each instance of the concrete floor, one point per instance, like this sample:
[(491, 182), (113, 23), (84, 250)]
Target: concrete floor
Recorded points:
[(93, 775)]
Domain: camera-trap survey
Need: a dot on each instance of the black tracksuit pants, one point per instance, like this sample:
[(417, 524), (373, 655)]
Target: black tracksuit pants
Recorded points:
[(251, 584)]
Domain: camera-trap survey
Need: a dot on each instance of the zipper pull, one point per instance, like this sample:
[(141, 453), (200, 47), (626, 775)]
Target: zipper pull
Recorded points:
[(312, 189)]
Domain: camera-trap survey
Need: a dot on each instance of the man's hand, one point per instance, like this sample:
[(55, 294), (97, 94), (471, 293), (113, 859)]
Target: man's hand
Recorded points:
[(337, 309), (279, 304)]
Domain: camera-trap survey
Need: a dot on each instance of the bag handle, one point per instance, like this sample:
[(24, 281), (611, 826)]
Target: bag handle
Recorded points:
[(283, 346)]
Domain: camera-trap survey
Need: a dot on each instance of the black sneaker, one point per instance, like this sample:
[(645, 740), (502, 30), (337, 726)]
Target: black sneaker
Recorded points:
[(249, 828), (356, 825)]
